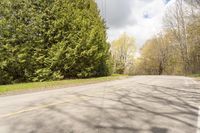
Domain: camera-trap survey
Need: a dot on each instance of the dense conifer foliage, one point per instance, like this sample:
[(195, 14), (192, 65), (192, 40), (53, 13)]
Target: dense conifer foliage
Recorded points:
[(51, 39)]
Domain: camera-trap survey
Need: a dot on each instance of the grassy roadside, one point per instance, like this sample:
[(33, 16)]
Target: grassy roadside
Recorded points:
[(196, 76), (55, 84)]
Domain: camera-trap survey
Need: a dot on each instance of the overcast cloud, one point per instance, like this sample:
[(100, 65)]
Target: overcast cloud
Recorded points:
[(139, 18), (117, 12)]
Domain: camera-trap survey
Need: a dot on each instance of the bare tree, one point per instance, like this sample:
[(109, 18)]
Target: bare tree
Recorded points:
[(175, 20), (194, 3), (122, 50)]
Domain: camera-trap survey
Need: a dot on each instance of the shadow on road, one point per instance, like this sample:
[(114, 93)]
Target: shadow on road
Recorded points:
[(150, 109)]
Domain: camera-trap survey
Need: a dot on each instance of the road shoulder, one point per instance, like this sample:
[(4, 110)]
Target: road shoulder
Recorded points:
[(17, 89)]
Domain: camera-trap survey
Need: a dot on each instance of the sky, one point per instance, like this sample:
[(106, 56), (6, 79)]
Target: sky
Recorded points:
[(138, 18)]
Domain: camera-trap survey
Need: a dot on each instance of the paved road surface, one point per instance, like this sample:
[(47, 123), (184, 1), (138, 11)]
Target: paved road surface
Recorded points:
[(141, 104)]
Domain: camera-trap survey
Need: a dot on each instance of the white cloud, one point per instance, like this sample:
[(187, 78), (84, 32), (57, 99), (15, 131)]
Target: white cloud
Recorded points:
[(116, 12), (139, 18)]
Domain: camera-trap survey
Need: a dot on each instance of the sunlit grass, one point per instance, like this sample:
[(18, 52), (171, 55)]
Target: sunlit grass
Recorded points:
[(55, 84), (197, 76)]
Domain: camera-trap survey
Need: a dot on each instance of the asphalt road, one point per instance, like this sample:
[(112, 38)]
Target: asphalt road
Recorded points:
[(141, 104)]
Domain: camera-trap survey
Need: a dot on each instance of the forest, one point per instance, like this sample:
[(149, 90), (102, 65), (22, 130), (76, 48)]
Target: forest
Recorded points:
[(175, 50)]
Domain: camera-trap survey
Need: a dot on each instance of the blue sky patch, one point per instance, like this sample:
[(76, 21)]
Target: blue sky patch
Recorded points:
[(166, 1)]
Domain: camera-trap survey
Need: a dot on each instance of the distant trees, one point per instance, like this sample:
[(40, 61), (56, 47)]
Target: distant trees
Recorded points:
[(123, 50), (177, 49), (176, 22), (193, 31), (51, 39), (184, 26), (155, 55)]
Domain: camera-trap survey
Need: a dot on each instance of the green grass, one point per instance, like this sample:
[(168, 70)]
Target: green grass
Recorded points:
[(197, 76), (55, 84)]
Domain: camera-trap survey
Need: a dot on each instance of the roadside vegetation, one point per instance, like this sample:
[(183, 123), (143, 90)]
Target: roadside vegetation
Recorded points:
[(123, 52), (196, 76), (175, 50), (42, 40), (51, 40), (36, 86)]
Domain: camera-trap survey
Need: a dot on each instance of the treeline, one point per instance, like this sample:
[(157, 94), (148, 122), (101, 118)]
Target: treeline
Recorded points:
[(176, 50), (51, 39), (123, 52)]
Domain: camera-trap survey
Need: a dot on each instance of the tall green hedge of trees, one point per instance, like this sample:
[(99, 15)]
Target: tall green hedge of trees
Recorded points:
[(51, 39)]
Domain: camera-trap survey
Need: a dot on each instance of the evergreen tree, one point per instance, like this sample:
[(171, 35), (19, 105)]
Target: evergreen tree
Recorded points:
[(51, 39)]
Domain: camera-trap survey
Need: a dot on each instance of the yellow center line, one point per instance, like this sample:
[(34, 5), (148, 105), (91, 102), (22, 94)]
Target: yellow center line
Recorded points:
[(41, 107), (74, 99)]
